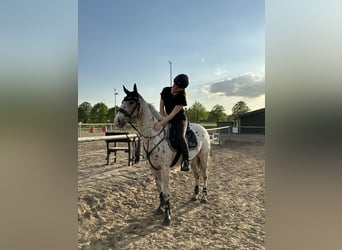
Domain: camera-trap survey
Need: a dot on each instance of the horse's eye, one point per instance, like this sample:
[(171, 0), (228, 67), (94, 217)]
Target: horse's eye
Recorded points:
[(131, 103)]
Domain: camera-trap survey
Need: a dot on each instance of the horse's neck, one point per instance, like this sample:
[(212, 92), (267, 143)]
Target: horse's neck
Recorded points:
[(146, 120)]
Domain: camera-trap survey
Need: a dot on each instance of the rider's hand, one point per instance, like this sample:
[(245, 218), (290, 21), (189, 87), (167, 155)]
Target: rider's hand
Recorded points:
[(157, 126)]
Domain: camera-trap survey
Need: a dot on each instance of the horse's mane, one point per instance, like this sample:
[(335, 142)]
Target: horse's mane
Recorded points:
[(155, 113)]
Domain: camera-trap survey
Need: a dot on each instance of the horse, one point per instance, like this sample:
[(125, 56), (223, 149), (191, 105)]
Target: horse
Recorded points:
[(158, 151)]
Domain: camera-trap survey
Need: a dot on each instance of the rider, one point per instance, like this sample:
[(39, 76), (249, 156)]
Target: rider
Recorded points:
[(172, 101)]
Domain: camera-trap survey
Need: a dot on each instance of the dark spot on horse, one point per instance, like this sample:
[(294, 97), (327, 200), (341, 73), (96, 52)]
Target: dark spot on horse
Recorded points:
[(163, 151), (158, 149), (157, 156)]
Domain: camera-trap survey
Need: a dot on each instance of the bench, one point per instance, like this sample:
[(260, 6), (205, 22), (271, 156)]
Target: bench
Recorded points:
[(127, 145)]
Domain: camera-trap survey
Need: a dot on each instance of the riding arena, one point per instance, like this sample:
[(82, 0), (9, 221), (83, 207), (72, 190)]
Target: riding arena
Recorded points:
[(118, 202)]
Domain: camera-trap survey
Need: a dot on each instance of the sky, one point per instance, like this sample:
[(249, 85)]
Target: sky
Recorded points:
[(219, 44)]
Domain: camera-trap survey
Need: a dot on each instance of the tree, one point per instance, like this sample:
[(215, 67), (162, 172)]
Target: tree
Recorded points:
[(238, 109), (230, 118), (111, 113), (99, 113), (218, 113), (84, 110), (197, 113)]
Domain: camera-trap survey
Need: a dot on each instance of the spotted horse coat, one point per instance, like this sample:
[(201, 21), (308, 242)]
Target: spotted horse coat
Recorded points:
[(158, 151)]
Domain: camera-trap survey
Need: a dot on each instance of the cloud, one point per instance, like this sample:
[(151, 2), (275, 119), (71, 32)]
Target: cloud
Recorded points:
[(247, 85), (220, 71)]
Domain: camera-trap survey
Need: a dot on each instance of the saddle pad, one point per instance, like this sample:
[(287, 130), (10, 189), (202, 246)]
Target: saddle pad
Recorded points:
[(189, 136)]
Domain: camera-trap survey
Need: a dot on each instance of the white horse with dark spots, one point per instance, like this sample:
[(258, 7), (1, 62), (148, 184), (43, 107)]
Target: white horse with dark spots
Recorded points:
[(158, 151)]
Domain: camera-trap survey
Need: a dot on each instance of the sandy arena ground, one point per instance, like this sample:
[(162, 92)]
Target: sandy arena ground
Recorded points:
[(117, 202)]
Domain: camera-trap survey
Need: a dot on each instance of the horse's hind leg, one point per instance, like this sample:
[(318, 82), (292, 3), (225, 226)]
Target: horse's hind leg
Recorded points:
[(195, 171), (204, 159)]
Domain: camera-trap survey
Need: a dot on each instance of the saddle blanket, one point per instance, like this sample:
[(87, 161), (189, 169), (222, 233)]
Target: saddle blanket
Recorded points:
[(190, 137)]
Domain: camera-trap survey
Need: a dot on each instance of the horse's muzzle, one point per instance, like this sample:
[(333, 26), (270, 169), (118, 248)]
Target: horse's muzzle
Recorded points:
[(119, 122)]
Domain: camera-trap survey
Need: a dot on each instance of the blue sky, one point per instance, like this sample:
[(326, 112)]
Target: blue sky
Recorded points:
[(220, 44)]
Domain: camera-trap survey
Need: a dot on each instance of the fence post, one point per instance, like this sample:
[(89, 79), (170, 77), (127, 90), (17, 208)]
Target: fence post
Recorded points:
[(79, 129)]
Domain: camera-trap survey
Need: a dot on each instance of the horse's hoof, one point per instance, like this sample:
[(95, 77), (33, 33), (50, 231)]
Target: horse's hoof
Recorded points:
[(166, 222), (204, 200), (159, 211), (194, 197)]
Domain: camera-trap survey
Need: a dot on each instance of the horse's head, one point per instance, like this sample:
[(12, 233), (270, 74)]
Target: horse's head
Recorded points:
[(129, 108)]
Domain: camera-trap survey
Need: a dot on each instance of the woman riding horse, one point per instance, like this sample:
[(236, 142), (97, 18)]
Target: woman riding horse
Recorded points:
[(172, 102)]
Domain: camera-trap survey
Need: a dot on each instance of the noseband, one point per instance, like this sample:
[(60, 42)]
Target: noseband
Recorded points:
[(137, 106)]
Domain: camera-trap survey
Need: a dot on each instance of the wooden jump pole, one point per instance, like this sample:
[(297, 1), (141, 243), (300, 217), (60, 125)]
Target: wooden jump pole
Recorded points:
[(104, 138)]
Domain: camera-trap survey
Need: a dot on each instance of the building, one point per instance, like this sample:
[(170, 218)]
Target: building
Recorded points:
[(252, 122)]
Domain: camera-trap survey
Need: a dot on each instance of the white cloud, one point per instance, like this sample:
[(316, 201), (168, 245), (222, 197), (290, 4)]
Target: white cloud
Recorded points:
[(206, 89), (246, 85), (219, 71)]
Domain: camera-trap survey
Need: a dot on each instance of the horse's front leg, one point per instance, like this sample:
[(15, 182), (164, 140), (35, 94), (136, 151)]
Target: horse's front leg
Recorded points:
[(165, 193), (157, 177)]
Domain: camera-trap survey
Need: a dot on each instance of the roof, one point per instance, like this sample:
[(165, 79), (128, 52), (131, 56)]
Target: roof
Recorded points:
[(254, 112)]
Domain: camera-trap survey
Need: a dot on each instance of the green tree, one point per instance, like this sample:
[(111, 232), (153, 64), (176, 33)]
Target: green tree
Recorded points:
[(218, 113), (197, 113), (230, 118), (111, 113), (99, 113), (84, 110), (238, 109), (210, 118)]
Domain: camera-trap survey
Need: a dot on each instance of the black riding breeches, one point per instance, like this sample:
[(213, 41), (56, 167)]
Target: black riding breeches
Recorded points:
[(183, 146)]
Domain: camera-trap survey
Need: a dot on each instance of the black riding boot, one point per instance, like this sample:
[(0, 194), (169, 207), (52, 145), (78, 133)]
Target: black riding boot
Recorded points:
[(183, 146)]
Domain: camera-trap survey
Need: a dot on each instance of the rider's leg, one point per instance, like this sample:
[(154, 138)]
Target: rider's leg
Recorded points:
[(180, 127)]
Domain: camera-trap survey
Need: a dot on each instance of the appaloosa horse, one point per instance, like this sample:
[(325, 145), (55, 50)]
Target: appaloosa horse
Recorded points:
[(158, 151)]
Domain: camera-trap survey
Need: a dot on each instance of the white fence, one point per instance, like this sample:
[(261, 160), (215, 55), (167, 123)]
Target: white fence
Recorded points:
[(214, 136)]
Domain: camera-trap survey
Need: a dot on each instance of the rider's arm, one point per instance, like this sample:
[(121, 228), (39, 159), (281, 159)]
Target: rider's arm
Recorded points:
[(174, 112), (162, 107), (163, 122)]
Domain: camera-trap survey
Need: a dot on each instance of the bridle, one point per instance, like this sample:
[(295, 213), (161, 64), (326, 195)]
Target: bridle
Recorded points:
[(129, 115), (137, 106)]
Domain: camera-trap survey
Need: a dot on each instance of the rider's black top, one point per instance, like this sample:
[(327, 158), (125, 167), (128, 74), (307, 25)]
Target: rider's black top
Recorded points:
[(170, 101)]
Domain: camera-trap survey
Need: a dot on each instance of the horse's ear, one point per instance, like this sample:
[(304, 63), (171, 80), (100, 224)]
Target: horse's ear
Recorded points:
[(135, 88), (126, 90)]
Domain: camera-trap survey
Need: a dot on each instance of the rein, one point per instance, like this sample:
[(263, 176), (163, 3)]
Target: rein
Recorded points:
[(148, 154), (146, 137), (129, 115)]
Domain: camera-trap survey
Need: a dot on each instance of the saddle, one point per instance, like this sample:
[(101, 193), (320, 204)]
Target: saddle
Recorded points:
[(190, 137)]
